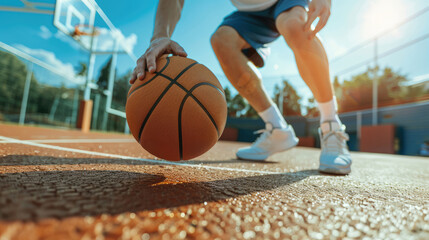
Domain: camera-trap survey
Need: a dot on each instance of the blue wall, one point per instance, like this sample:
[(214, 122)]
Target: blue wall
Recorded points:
[(411, 122)]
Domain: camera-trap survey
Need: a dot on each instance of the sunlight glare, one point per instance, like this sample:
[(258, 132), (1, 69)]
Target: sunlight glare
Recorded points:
[(382, 15)]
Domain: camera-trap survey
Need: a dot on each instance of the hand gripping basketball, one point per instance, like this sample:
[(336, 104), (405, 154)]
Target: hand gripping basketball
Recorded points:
[(147, 62)]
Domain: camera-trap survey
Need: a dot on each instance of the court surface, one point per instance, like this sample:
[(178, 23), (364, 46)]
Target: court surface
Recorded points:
[(57, 184)]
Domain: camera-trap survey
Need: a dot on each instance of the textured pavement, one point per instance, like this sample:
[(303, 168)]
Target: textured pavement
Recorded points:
[(63, 193)]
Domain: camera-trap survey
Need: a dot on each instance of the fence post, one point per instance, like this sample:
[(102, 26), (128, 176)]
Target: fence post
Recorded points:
[(95, 110), (280, 103), (85, 108), (358, 123), (112, 76), (54, 107), (127, 129), (375, 85), (110, 83), (90, 70), (25, 94), (75, 107)]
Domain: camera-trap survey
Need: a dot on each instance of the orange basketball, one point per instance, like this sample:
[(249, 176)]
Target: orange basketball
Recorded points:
[(178, 112)]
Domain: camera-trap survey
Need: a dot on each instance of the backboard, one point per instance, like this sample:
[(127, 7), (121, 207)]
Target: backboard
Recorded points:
[(79, 20), (87, 15), (71, 13)]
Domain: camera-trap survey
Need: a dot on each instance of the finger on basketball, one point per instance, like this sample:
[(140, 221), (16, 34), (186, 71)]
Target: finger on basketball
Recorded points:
[(133, 78), (151, 64), (178, 50), (140, 68)]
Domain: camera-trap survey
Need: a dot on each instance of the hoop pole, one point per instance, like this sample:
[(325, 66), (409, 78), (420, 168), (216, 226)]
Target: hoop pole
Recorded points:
[(112, 74), (25, 94), (111, 81), (375, 86), (89, 75)]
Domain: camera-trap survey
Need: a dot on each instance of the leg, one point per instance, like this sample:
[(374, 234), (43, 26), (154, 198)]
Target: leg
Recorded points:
[(310, 55), (227, 45), (314, 69)]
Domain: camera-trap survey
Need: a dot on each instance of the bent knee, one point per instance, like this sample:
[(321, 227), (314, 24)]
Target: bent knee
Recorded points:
[(225, 37), (290, 24)]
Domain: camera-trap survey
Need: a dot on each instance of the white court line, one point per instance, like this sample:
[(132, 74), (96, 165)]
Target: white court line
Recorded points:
[(118, 140), (30, 143)]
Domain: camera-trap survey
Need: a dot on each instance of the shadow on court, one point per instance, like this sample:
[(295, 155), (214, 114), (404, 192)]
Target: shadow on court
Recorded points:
[(229, 161), (19, 160), (35, 195)]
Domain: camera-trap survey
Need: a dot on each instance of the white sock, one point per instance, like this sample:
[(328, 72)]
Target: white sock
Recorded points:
[(272, 115), (328, 112)]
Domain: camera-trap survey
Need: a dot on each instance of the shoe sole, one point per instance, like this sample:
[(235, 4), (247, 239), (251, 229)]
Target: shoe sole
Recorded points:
[(251, 158), (264, 157), (333, 170)]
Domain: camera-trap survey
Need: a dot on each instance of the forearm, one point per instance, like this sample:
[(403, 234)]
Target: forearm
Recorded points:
[(167, 16)]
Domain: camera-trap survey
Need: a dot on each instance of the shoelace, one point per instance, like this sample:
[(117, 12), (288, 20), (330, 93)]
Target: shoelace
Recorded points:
[(337, 145)]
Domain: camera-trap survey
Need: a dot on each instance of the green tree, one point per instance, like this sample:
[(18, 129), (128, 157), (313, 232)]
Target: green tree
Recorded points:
[(82, 69), (356, 93), (13, 74), (228, 98), (250, 112), (312, 110), (103, 79), (237, 106), (120, 91)]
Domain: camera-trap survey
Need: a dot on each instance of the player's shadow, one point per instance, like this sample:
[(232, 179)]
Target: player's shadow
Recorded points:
[(34, 193)]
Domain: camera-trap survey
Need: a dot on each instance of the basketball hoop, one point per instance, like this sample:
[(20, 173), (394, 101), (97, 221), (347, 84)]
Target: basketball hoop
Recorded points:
[(85, 30)]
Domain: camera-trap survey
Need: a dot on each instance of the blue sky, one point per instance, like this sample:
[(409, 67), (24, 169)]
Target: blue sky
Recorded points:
[(351, 23)]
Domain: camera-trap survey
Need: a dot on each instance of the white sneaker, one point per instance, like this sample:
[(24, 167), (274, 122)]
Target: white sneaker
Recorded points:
[(335, 157), (269, 142)]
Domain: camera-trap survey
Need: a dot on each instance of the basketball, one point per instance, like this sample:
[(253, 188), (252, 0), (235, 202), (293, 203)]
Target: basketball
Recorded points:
[(179, 111)]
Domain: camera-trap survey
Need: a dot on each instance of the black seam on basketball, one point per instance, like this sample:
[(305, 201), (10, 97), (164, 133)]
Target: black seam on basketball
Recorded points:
[(196, 99), (182, 104), (150, 80), (183, 88), (160, 97)]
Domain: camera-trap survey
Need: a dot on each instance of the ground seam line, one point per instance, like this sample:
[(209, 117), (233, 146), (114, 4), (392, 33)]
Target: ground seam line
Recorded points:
[(12, 140)]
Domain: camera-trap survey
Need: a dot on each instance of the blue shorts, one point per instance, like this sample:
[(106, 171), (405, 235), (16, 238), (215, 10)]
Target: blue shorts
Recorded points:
[(259, 28)]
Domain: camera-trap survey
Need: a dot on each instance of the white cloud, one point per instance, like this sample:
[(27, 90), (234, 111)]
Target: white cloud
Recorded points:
[(45, 33), (106, 40), (48, 57), (130, 42)]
